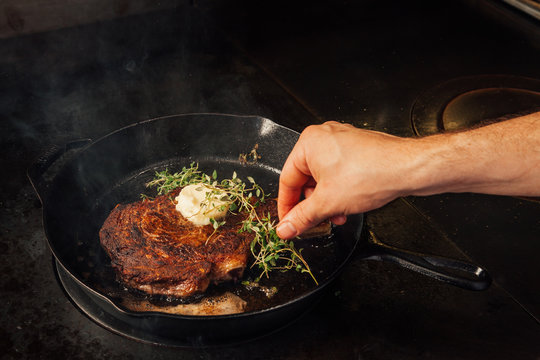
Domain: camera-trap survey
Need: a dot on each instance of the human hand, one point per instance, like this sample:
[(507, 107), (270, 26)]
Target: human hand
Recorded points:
[(341, 170)]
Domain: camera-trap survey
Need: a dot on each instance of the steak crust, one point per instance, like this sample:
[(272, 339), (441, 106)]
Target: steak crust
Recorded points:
[(153, 248)]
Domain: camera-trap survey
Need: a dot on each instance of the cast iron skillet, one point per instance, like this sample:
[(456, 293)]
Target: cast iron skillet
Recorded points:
[(80, 183)]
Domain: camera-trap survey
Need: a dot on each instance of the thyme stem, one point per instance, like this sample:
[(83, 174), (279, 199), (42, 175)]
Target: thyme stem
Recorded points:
[(269, 251)]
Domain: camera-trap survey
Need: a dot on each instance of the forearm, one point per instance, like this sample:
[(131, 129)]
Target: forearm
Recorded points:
[(501, 158), (344, 170)]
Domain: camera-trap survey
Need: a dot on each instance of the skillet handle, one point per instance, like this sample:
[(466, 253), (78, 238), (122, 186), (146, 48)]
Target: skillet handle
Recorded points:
[(37, 170), (455, 272)]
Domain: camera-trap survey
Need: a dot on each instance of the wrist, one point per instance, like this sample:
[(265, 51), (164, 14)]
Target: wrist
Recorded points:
[(442, 163)]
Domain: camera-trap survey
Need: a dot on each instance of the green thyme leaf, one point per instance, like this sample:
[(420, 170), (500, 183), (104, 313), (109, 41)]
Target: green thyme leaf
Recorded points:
[(269, 251)]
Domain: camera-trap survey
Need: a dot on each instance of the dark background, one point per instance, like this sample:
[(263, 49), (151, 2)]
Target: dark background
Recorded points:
[(297, 63)]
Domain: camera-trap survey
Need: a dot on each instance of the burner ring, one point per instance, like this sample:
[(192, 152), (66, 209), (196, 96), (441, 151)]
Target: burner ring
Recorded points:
[(471, 101)]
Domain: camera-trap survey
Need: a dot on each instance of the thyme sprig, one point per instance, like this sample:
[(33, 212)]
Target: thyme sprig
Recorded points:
[(270, 252), (167, 182)]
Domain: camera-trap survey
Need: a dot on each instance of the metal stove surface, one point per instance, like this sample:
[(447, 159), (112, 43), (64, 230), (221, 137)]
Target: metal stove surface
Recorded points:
[(365, 63)]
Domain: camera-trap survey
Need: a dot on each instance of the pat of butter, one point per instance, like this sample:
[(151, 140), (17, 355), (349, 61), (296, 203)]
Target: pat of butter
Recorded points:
[(193, 204)]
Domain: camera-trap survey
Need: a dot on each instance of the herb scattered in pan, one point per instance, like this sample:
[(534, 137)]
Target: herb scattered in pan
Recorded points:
[(251, 157), (269, 251)]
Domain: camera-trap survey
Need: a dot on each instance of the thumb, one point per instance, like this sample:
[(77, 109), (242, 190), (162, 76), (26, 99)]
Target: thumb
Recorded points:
[(305, 215)]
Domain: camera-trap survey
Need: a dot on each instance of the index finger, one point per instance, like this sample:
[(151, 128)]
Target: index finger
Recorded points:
[(294, 176)]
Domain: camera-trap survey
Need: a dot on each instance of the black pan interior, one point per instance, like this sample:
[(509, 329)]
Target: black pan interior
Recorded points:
[(116, 168)]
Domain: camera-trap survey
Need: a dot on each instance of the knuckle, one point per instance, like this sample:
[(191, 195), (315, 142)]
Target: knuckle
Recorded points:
[(331, 123), (309, 131), (313, 134)]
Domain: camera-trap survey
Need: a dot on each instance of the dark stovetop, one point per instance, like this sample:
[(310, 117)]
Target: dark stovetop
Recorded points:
[(365, 63)]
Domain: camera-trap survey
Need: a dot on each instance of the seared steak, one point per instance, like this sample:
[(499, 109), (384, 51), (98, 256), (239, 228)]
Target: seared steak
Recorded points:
[(153, 248)]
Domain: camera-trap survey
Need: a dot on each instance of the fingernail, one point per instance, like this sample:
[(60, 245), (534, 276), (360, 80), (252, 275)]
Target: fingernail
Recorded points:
[(286, 230)]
